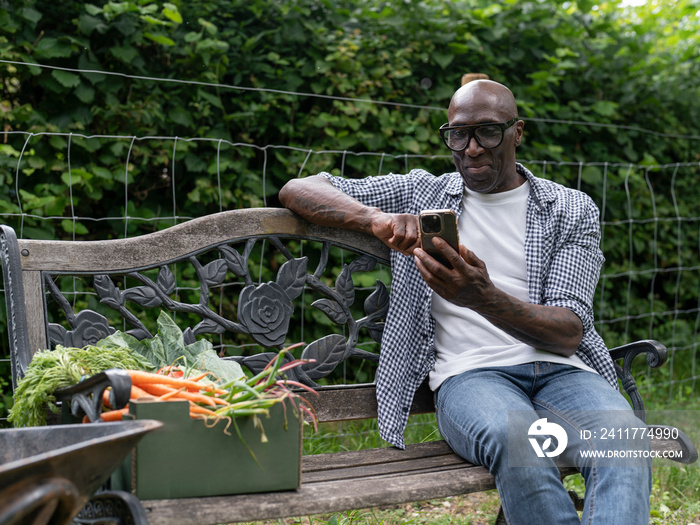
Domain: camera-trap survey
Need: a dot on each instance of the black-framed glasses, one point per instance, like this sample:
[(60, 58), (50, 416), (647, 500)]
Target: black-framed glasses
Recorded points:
[(488, 136)]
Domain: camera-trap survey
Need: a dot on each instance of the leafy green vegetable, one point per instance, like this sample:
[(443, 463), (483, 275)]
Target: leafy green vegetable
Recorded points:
[(168, 348), (50, 370)]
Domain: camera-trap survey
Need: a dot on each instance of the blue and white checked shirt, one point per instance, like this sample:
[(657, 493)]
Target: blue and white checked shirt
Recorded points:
[(563, 265)]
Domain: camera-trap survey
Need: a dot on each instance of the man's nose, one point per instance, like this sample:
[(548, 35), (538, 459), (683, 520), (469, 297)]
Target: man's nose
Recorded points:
[(473, 148)]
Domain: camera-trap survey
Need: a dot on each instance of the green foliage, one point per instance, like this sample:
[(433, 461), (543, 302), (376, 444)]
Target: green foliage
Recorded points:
[(167, 348), (226, 70), (50, 370)]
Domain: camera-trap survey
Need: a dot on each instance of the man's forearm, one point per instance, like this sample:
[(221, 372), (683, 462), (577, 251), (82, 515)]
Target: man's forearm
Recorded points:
[(318, 201), (550, 328)]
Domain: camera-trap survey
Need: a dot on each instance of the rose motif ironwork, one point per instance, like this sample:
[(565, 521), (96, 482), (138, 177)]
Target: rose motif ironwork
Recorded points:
[(264, 309), (89, 328), (265, 312)]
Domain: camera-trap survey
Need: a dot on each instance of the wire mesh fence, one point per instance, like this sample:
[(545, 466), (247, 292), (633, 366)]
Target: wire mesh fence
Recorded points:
[(649, 286), (126, 185)]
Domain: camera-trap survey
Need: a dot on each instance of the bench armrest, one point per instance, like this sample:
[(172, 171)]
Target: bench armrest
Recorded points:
[(656, 354)]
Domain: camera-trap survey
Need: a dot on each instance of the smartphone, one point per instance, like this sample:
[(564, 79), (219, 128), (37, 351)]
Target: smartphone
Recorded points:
[(438, 223)]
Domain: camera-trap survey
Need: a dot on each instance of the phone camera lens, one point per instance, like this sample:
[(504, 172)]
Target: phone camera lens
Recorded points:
[(432, 224)]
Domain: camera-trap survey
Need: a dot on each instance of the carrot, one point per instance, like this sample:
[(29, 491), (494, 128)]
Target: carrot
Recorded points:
[(141, 379), (162, 390), (114, 415), (199, 377), (170, 394), (105, 398), (196, 409), (137, 392)]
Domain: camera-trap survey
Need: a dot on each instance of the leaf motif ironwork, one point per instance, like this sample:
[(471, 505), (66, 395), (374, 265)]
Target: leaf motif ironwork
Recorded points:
[(332, 309), (264, 309), (326, 354)]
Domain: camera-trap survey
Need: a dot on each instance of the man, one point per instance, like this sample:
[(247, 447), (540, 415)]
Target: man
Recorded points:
[(507, 332)]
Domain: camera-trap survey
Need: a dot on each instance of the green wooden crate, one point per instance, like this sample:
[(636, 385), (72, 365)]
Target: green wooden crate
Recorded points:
[(185, 459)]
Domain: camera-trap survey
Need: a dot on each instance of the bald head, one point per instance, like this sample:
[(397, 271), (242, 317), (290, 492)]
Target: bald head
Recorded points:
[(482, 96), (479, 104)]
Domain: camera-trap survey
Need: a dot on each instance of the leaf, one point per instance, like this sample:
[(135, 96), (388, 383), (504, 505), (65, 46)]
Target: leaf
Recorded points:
[(124, 340), (65, 78), (142, 295), (363, 264), (57, 333), (443, 59), (215, 272), (605, 108), (171, 335), (53, 48), (332, 309), (160, 39), (209, 326), (70, 226), (181, 116), (85, 93), (171, 12), (235, 261), (126, 54), (345, 287), (292, 277), (378, 300), (327, 352), (166, 280), (225, 369)]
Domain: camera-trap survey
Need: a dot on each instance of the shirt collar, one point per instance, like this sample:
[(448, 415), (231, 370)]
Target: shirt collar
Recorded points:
[(541, 193)]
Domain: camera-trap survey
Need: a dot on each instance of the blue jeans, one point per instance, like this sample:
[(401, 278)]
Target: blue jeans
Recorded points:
[(473, 417)]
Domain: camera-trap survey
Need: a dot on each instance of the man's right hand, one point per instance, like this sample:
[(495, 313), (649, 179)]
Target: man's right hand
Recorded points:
[(399, 232)]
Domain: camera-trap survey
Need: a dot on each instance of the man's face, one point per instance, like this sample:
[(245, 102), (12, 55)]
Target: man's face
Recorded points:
[(486, 170)]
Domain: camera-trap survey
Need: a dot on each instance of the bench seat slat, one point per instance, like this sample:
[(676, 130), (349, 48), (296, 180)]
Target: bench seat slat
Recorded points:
[(320, 497), (389, 467), (339, 460)]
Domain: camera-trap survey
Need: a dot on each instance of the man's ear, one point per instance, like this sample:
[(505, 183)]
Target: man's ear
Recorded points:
[(519, 125)]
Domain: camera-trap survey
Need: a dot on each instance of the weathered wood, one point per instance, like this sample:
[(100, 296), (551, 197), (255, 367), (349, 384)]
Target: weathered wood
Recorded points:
[(193, 236), (325, 496), (36, 312), (351, 402)]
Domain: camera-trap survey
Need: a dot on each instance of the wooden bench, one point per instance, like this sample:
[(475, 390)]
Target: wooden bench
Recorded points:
[(199, 270)]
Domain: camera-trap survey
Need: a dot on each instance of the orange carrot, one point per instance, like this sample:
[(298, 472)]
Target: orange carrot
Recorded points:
[(137, 392), (162, 390), (196, 409), (114, 415), (105, 398), (199, 377), (140, 379), (170, 394)]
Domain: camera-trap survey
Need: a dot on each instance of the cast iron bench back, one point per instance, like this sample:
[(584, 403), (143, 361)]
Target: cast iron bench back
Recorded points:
[(218, 250)]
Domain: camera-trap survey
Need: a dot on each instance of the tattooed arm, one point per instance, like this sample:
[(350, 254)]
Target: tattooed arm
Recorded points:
[(318, 201), (551, 328)]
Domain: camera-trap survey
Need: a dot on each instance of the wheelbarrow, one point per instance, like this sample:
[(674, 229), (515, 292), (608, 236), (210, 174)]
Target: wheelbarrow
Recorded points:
[(47, 474)]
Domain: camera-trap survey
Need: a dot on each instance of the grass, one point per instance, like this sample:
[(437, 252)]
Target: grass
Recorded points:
[(675, 498)]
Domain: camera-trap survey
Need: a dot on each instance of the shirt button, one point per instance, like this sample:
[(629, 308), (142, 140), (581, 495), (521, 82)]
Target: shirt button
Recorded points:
[(405, 409)]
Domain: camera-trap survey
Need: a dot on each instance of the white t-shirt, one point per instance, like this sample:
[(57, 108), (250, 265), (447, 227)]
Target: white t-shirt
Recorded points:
[(491, 225)]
